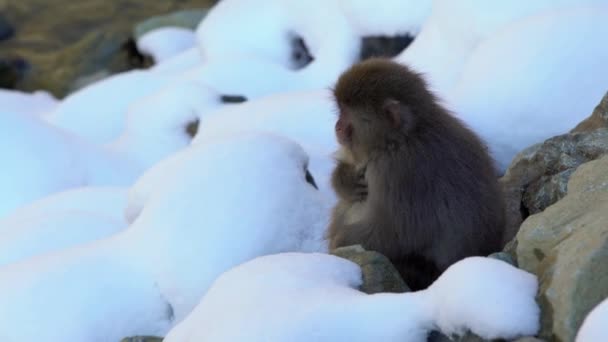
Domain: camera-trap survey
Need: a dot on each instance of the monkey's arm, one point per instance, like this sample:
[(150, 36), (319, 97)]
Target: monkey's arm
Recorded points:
[(349, 183)]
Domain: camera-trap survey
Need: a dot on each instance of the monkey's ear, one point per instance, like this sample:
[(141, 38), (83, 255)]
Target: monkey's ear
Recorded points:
[(398, 113)]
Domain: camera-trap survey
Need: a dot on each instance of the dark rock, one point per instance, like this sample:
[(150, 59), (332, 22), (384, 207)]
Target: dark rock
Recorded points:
[(383, 46), (6, 29), (188, 19), (142, 339), (539, 175), (300, 55), (379, 274), (566, 246), (12, 71), (504, 256), (598, 119)]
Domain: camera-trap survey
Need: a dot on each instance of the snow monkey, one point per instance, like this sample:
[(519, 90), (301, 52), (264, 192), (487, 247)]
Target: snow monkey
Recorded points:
[(412, 181)]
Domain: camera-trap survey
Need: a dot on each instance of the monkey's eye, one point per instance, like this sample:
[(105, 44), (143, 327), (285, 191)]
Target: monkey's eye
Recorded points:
[(310, 179)]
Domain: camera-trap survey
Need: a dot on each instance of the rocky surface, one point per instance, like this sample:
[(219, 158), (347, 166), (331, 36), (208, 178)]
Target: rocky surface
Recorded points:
[(539, 175), (142, 339), (6, 29), (566, 246), (383, 46), (379, 274), (598, 119), (95, 38)]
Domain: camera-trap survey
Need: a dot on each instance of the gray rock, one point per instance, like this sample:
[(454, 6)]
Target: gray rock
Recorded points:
[(384, 46), (504, 256), (566, 246), (12, 71), (379, 274), (6, 29), (188, 19), (142, 339), (539, 175), (86, 80)]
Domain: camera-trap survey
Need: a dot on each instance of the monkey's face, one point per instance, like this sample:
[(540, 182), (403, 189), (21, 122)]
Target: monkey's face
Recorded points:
[(344, 128)]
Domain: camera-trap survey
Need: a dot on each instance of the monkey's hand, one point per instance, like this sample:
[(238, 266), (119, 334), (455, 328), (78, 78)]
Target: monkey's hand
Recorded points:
[(349, 183)]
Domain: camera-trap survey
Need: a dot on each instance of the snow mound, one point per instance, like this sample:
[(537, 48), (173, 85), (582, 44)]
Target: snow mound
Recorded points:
[(157, 125), (455, 28), (305, 117), (313, 297), (267, 32), (95, 292), (49, 160), (595, 325), (392, 17), (187, 220), (60, 221), (549, 79), (208, 208), (37, 103), (185, 60), (487, 296), (166, 42), (98, 111)]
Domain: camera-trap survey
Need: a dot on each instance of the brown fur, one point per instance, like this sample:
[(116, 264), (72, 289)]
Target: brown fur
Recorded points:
[(413, 182)]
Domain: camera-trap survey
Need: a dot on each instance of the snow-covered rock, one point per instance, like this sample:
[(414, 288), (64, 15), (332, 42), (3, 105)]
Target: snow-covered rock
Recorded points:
[(98, 111), (166, 42), (157, 125), (537, 79), (62, 220), (313, 297), (226, 202), (305, 117), (200, 212), (39, 159)]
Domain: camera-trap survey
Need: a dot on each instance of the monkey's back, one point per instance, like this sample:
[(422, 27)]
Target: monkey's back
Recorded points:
[(453, 205)]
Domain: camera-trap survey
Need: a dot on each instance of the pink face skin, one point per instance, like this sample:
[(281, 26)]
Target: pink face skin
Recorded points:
[(344, 129)]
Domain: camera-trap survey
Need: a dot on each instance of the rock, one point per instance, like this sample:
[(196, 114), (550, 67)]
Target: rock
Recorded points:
[(566, 246), (539, 175), (379, 274), (12, 71), (598, 119), (504, 256), (384, 46), (98, 37), (188, 19), (529, 339), (6, 29), (142, 339), (86, 80)]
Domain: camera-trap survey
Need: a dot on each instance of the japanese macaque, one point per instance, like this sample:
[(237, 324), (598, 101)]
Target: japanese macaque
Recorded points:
[(413, 182)]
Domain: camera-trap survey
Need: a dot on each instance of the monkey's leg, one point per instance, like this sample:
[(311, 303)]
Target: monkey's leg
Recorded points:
[(417, 271)]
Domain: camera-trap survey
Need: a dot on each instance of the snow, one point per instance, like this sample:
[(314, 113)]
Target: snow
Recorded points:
[(98, 111), (264, 32), (48, 160), (535, 102), (166, 42), (393, 17), (185, 60), (261, 175), (156, 125), (62, 220), (595, 325), (313, 297), (310, 125), (38, 103), (146, 278)]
